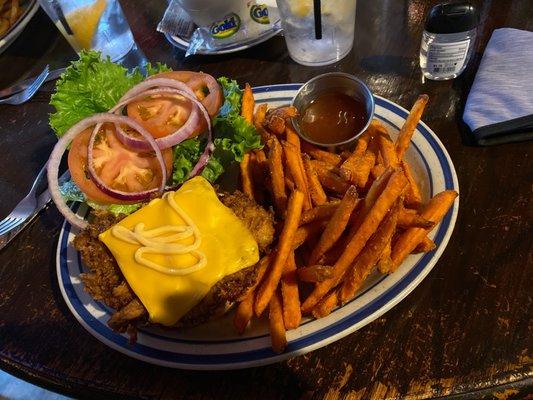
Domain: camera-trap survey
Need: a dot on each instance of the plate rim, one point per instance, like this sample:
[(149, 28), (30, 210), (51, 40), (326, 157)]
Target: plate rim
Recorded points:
[(16, 30), (341, 332)]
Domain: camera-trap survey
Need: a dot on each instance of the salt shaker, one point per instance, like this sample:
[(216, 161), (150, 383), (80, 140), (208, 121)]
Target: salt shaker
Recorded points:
[(448, 40)]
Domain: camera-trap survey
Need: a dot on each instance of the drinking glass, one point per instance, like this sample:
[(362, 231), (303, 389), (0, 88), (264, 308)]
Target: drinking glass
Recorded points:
[(92, 24), (298, 22)]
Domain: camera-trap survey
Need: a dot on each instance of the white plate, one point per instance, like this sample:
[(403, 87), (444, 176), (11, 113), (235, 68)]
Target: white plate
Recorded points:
[(215, 345), (19, 26)]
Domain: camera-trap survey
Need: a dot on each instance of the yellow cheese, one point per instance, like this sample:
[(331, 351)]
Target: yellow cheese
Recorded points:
[(226, 243)]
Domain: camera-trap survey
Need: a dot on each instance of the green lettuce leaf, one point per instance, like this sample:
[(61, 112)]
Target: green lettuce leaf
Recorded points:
[(70, 192), (115, 209), (232, 97), (233, 138), (186, 155), (126, 209), (91, 85), (236, 135)]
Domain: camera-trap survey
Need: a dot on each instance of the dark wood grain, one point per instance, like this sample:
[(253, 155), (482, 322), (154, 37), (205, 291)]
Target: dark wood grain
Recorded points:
[(465, 331)]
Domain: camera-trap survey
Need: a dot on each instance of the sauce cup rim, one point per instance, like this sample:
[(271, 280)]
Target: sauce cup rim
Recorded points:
[(368, 97)]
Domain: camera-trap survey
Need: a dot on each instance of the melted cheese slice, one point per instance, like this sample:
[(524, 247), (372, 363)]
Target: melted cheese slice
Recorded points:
[(225, 241)]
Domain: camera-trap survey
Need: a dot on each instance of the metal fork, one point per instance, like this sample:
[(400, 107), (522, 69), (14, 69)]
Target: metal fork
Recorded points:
[(27, 93), (23, 209)]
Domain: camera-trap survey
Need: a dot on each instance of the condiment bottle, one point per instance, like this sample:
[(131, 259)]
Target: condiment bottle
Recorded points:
[(448, 40)]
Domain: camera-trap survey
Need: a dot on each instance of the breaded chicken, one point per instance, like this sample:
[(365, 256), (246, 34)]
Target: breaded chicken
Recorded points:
[(106, 283), (258, 220)]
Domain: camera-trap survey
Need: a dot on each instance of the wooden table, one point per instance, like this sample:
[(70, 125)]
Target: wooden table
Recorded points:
[(465, 331)]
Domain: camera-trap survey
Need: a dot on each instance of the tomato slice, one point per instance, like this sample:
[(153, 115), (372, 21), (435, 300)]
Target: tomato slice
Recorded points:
[(119, 167), (204, 86), (160, 115)]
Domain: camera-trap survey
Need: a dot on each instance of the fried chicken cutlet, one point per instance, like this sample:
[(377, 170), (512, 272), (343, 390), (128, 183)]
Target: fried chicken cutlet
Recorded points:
[(106, 283)]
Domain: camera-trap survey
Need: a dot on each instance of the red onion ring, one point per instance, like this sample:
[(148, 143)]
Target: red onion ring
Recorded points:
[(156, 82), (119, 194), (181, 134), (195, 80), (212, 102), (61, 147), (203, 160)]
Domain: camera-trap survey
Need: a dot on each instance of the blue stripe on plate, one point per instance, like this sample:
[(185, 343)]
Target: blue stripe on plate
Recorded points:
[(299, 344)]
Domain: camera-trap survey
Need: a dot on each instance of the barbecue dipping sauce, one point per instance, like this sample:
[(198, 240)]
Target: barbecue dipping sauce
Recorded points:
[(333, 117)]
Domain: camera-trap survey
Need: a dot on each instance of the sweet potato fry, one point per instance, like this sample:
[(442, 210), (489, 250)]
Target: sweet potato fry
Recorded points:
[(292, 157), (385, 262), (345, 154), (326, 305), (284, 247), (289, 183), (283, 112), (307, 231), (351, 166), (390, 194), (4, 24), (262, 267), (387, 150), (14, 12), (370, 255), (362, 143), (333, 254), (245, 309), (243, 314), (434, 211), (377, 170), (275, 164), (275, 124), (323, 211), (316, 191), (261, 157), (332, 181), (371, 197), (277, 327), (293, 138), (360, 169), (275, 119), (260, 113), (314, 273), (425, 245), (377, 126), (336, 225), (350, 163), (259, 168), (265, 135), (410, 218), (413, 198), (292, 314), (323, 166), (379, 158), (246, 176), (408, 128), (247, 104), (322, 155)]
